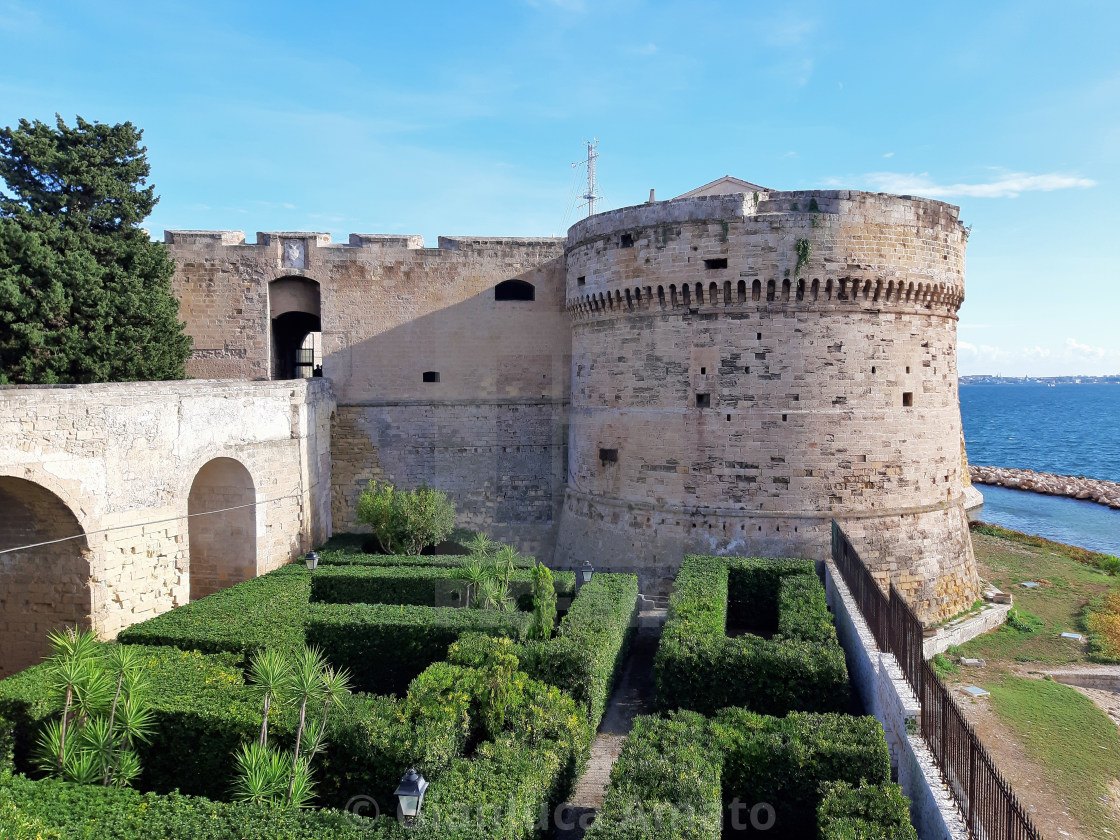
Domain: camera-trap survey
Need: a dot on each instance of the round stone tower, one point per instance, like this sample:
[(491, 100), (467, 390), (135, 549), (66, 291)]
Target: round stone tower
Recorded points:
[(748, 367)]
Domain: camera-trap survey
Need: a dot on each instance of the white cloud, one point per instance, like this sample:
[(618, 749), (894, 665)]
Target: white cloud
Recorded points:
[(1006, 185), (889, 155), (645, 49), (1084, 351)]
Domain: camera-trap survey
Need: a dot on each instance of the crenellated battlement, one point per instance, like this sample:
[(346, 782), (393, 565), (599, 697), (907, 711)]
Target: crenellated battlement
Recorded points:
[(849, 293), (182, 239)]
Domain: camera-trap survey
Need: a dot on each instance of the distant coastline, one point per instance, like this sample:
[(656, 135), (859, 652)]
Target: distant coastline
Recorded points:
[(989, 379)]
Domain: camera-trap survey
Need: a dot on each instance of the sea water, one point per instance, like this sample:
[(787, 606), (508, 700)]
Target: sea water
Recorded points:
[(1064, 429)]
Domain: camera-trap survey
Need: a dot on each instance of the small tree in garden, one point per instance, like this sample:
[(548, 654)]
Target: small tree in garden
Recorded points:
[(405, 521), (104, 712), (311, 687), (544, 603)]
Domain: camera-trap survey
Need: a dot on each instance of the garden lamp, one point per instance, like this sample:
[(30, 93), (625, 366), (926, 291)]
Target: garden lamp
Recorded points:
[(585, 572), (410, 795), (312, 560)]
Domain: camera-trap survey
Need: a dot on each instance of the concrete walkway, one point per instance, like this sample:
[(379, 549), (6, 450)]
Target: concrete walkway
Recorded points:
[(632, 696)]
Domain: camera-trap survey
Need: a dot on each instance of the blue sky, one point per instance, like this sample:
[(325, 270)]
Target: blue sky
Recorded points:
[(463, 118)]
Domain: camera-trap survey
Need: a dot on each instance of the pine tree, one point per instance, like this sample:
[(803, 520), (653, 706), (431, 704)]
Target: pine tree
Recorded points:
[(85, 295)]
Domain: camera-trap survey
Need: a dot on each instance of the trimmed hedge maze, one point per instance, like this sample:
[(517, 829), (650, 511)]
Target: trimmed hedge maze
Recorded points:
[(505, 768), (699, 667), (802, 776)]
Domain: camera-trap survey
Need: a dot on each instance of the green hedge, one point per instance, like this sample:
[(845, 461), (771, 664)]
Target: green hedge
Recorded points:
[(346, 550), (56, 810), (665, 783), (585, 657), (753, 588), (867, 812), (267, 611), (386, 646), (7, 744), (677, 774), (784, 761), (697, 666), (418, 585), (203, 711)]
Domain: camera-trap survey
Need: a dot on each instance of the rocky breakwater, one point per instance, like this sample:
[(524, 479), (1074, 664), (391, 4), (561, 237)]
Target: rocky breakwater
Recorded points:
[(1074, 487)]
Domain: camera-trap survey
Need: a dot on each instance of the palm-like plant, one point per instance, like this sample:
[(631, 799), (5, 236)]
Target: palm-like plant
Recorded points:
[(474, 571), (103, 711), (480, 545), (269, 675)]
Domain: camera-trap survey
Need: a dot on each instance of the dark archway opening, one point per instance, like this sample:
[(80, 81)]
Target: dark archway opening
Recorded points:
[(295, 310), (515, 290), (294, 346), (223, 527), (42, 588)]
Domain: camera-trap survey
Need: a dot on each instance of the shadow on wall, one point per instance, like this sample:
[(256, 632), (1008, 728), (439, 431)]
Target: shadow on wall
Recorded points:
[(43, 588), (470, 399)]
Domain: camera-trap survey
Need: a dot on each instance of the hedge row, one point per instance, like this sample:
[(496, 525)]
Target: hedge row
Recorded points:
[(346, 550), (784, 761), (697, 666), (805, 772), (203, 711), (386, 646), (665, 783), (585, 657), (419, 585), (56, 810), (867, 812), (753, 588), (267, 611)]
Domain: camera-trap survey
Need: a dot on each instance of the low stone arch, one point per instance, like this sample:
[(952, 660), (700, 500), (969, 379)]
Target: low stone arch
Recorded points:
[(816, 288), (43, 587), (222, 527), (515, 289), (756, 290), (769, 290), (741, 292)]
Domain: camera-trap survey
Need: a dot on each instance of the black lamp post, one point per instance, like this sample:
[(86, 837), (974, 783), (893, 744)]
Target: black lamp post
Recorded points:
[(585, 571), (312, 560), (410, 796)]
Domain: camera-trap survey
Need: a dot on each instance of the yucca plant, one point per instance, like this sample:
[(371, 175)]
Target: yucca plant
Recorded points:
[(505, 561), (473, 572), (103, 711), (309, 684), (269, 675), (262, 774), (480, 545)]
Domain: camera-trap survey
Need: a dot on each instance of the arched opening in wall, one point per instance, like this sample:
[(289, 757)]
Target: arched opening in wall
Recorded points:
[(515, 290), (756, 290), (222, 527), (295, 311), (42, 588)]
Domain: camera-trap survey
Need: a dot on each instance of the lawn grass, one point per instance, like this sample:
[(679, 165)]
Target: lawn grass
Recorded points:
[(1068, 583), (1068, 736)]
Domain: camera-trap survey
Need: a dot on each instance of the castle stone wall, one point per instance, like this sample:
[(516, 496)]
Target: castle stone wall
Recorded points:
[(731, 397), (114, 465), (491, 431)]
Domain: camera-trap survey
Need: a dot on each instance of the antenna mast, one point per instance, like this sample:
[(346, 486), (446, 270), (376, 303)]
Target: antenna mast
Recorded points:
[(592, 194)]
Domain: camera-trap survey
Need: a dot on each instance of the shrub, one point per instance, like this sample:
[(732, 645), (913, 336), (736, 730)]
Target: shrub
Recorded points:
[(267, 611), (203, 710), (544, 603), (783, 761), (420, 586), (1023, 622), (665, 783), (1110, 564), (867, 812), (585, 657), (56, 810), (407, 520), (387, 646), (697, 666)]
